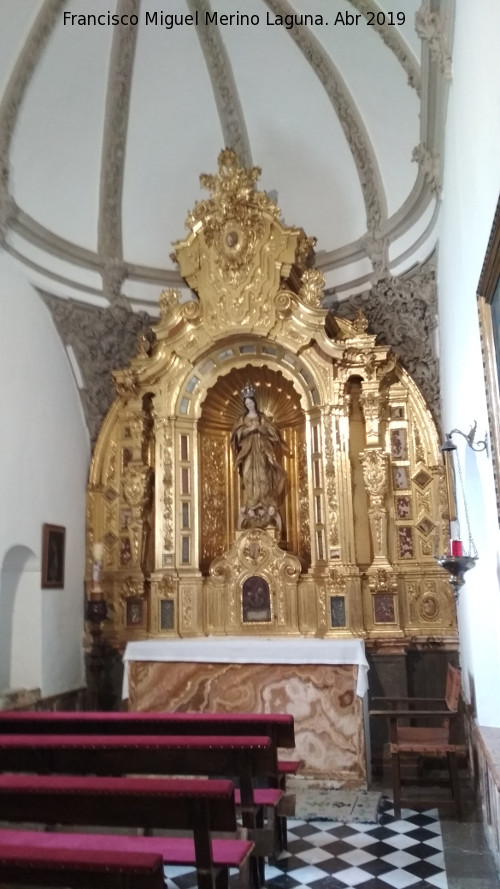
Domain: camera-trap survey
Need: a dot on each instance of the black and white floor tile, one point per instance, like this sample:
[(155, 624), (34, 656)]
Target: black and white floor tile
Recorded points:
[(393, 854)]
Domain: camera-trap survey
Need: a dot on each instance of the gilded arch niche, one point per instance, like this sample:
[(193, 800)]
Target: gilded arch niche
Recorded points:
[(163, 488), (221, 489)]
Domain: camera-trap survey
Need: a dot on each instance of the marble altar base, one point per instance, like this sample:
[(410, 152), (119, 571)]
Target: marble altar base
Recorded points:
[(322, 698)]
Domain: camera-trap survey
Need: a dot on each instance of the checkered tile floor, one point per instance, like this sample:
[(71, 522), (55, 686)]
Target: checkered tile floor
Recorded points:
[(393, 854)]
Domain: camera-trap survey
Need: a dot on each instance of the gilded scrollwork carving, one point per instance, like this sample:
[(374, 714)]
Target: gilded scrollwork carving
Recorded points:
[(137, 481), (383, 581), (331, 481), (335, 583), (111, 468), (240, 252), (126, 383), (375, 472), (304, 537), (255, 554), (304, 252), (214, 498), (418, 445), (168, 479), (375, 464), (311, 287), (169, 304), (283, 304), (232, 218), (252, 549), (187, 609), (132, 588), (145, 343), (168, 585), (137, 487), (370, 403)]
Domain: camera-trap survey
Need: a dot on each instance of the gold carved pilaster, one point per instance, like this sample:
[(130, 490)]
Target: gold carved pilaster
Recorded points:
[(375, 464), (166, 463), (304, 531), (190, 606), (370, 404), (331, 485), (137, 486), (214, 497)]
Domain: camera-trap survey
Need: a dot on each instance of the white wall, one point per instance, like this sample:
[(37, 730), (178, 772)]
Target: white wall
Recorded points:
[(43, 474), (471, 189)]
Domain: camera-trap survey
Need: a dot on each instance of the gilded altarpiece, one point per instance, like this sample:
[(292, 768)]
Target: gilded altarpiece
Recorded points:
[(351, 552)]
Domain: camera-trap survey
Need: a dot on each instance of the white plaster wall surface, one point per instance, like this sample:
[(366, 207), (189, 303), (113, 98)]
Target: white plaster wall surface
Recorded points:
[(26, 630), (470, 194), (43, 473)]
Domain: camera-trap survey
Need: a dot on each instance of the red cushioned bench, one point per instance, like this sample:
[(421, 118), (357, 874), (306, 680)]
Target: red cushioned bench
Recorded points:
[(197, 806), (47, 864), (278, 726), (246, 758)]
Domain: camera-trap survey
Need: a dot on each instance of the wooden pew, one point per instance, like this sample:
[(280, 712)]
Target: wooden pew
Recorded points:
[(47, 864), (278, 726), (246, 758), (198, 807)]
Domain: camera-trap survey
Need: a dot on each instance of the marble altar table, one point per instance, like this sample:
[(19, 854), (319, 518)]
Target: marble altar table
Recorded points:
[(321, 682)]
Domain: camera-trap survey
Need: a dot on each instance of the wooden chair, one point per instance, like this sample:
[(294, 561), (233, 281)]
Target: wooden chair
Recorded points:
[(436, 738)]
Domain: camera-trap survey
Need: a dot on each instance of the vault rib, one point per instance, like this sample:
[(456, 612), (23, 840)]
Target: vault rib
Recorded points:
[(12, 99), (393, 40), (355, 132), (110, 241), (224, 86)]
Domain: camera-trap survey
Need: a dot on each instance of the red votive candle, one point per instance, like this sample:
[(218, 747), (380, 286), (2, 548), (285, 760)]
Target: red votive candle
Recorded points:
[(456, 548)]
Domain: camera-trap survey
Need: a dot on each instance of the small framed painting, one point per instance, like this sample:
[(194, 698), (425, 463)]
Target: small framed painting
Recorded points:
[(135, 613), (53, 546), (256, 600)]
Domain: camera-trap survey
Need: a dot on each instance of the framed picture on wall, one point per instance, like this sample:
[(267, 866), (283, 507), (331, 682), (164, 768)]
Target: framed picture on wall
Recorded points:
[(53, 552), (489, 315)]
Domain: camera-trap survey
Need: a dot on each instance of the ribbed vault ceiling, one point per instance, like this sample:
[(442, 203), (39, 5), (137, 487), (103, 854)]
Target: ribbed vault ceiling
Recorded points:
[(104, 131)]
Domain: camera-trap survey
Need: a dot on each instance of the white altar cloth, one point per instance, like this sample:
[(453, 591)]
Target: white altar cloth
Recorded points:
[(250, 650)]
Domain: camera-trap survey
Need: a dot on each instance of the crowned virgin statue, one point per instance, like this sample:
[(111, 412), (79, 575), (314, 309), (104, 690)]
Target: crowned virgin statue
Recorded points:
[(256, 441)]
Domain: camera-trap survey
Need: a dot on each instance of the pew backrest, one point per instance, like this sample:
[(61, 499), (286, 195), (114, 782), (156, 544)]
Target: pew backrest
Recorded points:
[(45, 863), (278, 726), (155, 803), (246, 758)]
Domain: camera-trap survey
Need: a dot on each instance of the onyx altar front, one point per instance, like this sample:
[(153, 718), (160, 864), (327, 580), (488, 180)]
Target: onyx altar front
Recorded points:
[(321, 682)]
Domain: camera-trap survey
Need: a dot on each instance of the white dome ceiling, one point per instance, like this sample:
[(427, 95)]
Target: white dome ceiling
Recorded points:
[(105, 129)]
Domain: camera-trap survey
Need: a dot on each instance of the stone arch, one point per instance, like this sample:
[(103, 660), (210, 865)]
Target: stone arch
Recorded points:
[(20, 619)]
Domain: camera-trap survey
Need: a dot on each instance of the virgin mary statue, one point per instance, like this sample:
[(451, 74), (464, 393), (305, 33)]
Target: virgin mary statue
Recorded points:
[(255, 441)]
